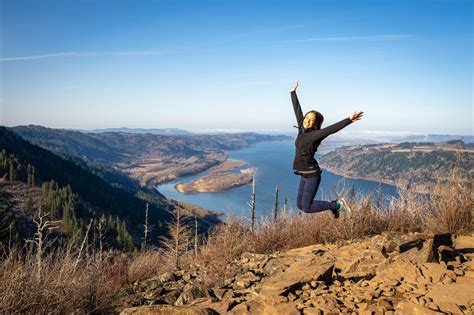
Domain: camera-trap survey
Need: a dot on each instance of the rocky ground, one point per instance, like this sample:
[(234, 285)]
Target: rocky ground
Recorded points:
[(389, 273)]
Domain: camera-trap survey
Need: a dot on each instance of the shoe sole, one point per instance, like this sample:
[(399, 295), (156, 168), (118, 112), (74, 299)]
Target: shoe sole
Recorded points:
[(346, 206)]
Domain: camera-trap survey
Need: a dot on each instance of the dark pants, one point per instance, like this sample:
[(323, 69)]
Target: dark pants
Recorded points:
[(306, 193)]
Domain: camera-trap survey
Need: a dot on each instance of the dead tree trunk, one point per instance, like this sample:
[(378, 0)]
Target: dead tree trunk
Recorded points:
[(275, 209)]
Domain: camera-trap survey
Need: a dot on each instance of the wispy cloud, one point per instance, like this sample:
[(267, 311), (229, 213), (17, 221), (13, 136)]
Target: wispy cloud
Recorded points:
[(86, 54), (350, 38), (32, 57)]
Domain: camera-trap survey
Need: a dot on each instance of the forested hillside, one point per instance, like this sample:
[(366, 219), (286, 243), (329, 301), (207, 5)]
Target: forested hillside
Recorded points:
[(417, 164), (24, 162)]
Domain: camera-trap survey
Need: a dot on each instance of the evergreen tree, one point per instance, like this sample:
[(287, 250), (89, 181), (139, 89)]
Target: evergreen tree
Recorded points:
[(12, 174), (29, 204), (33, 174), (28, 170)]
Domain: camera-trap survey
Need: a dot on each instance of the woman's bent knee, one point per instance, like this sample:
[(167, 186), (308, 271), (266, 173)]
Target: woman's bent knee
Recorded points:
[(306, 209)]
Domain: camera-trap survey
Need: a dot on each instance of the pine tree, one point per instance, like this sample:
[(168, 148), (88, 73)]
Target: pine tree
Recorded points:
[(179, 240), (12, 174), (28, 170), (33, 171), (127, 241), (29, 204)]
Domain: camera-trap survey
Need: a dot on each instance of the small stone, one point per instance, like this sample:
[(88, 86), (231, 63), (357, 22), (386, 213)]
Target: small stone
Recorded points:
[(385, 304), (300, 306), (312, 311), (219, 293), (450, 274), (186, 277), (447, 281), (376, 293), (306, 287), (349, 304), (166, 277), (420, 291), (362, 306), (388, 293), (368, 296), (306, 295), (292, 297)]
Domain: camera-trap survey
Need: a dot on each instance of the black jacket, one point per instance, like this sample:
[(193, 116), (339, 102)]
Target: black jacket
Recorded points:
[(308, 141)]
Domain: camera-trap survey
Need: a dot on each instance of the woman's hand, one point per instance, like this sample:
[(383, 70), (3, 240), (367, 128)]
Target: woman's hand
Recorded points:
[(293, 89), (356, 116)]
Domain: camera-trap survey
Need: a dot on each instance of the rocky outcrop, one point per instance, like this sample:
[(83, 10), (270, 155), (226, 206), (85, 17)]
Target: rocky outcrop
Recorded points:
[(390, 273)]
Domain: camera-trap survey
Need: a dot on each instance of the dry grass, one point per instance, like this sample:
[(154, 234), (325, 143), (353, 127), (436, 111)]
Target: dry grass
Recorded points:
[(62, 288), (448, 209), (145, 265), (90, 288)]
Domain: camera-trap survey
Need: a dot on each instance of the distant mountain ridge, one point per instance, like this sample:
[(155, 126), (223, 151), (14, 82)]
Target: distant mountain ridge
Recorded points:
[(109, 147), (437, 138), (147, 159), (154, 131)]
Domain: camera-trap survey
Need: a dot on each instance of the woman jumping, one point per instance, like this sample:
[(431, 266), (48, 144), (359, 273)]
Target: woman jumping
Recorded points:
[(309, 138)]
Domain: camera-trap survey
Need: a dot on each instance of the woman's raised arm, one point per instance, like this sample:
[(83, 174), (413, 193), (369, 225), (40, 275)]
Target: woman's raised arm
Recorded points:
[(323, 133), (296, 105)]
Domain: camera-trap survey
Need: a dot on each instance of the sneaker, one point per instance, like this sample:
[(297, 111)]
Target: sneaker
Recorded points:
[(336, 211), (345, 206)]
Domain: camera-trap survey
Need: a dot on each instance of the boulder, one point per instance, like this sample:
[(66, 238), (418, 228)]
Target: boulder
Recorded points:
[(447, 295), (245, 280), (190, 293), (465, 245), (410, 308), (167, 276), (398, 270), (433, 272)]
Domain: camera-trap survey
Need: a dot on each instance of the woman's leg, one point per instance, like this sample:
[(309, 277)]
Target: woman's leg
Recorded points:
[(310, 189), (300, 193)]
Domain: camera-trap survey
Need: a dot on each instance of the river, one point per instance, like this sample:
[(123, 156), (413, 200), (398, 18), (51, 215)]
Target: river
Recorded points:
[(273, 161)]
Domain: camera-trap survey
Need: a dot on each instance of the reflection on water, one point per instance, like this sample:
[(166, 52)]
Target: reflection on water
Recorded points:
[(273, 162)]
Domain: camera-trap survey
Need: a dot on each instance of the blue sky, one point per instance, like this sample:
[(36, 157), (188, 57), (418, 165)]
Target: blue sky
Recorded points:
[(230, 64)]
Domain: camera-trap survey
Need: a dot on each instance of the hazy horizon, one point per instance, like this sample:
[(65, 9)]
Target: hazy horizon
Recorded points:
[(343, 134), (230, 65)]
